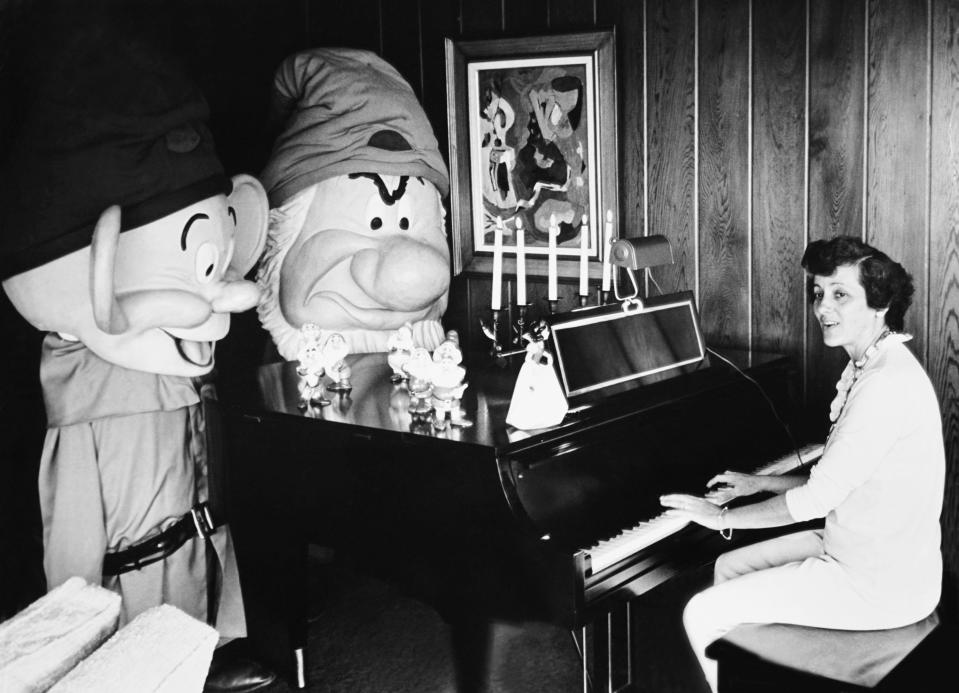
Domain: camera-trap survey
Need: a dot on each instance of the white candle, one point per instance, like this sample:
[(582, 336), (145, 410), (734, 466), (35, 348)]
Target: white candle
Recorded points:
[(497, 298), (584, 257), (520, 263), (551, 293), (607, 248)]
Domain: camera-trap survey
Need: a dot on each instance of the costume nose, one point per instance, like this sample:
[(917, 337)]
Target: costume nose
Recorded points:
[(232, 297), (401, 273)]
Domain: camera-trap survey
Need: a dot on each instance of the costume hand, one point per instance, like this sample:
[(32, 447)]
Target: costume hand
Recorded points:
[(699, 510), (729, 485)]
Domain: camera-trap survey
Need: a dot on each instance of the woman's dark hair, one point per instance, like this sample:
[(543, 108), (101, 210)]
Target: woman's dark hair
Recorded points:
[(886, 282)]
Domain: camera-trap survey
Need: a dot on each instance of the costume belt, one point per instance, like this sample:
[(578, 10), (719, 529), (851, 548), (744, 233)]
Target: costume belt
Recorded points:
[(198, 522)]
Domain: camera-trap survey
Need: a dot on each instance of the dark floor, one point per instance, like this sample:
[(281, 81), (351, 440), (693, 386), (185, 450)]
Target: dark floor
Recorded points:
[(366, 637)]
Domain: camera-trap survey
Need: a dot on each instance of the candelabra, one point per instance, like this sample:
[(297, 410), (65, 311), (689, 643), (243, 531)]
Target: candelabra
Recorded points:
[(515, 332), (520, 327), (492, 333)]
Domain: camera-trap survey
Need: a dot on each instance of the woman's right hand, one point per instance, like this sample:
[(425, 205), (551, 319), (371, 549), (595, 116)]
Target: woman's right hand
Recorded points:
[(728, 485)]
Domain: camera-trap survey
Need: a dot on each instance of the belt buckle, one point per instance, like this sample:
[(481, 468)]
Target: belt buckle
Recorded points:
[(202, 520)]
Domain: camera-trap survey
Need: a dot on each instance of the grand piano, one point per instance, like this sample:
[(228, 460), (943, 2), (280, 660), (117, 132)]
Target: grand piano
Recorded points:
[(488, 522)]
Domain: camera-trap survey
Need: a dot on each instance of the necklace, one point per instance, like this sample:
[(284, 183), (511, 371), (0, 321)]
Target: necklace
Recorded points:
[(852, 372)]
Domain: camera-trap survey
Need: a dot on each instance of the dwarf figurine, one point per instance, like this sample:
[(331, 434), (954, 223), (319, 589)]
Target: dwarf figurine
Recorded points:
[(447, 378), (419, 371), (400, 345), (124, 240), (357, 240), (335, 351), (311, 367)]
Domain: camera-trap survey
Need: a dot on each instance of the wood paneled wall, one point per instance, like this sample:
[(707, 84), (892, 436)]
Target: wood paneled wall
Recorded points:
[(746, 129)]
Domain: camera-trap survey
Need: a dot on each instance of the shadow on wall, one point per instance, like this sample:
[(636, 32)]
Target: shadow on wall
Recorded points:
[(22, 425)]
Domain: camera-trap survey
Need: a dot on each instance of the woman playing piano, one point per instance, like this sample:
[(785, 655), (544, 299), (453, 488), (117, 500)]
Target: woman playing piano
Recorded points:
[(876, 564)]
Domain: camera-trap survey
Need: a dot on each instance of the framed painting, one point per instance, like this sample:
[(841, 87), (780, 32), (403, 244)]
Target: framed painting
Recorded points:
[(533, 150)]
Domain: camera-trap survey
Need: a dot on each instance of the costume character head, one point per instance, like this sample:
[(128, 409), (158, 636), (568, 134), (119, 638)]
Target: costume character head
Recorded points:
[(357, 240), (118, 226)]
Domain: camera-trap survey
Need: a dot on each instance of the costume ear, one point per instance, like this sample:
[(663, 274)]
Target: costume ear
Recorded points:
[(249, 202), (103, 252)]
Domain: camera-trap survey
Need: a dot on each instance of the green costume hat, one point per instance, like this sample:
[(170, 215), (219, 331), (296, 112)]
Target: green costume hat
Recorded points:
[(115, 121), (345, 111)]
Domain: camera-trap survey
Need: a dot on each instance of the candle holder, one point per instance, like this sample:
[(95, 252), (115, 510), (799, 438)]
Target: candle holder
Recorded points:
[(492, 333), (520, 327)]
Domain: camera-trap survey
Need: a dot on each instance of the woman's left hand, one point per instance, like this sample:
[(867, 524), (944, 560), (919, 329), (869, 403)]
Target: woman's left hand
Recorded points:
[(699, 510)]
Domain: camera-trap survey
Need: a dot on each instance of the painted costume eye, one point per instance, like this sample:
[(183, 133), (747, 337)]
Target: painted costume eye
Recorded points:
[(376, 213), (207, 262), (404, 213)]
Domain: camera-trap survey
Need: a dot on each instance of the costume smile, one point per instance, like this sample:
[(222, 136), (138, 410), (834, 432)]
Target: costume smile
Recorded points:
[(196, 353)]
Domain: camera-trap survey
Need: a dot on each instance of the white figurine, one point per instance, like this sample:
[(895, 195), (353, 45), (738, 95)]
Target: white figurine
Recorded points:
[(448, 383), (311, 366), (536, 340), (400, 346), (419, 370), (335, 351)]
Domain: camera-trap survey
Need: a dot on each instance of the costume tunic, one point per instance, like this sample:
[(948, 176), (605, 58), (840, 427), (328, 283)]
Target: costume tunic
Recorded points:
[(877, 562), (124, 458)]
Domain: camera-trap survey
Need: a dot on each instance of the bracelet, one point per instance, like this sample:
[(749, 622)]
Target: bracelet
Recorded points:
[(725, 532)]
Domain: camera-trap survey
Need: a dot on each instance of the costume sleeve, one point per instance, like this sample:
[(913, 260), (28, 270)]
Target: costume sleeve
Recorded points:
[(876, 411)]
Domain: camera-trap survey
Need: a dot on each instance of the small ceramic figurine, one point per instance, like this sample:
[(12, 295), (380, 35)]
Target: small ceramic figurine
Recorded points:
[(419, 370), (448, 383), (311, 367), (536, 340), (335, 351), (400, 346), (538, 400)]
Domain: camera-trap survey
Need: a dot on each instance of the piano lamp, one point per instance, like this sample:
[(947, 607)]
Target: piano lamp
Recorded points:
[(632, 254)]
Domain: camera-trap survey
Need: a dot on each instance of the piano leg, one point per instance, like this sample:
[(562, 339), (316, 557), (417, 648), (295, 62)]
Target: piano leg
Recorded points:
[(471, 639), (606, 647), (273, 564)]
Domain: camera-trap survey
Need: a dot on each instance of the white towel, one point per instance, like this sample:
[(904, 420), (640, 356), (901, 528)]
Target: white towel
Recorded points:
[(163, 650), (48, 638)]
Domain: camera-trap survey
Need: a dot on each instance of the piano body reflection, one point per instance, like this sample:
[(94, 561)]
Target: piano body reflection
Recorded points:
[(485, 522)]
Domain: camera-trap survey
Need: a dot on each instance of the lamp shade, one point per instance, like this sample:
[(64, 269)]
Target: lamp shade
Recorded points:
[(640, 252)]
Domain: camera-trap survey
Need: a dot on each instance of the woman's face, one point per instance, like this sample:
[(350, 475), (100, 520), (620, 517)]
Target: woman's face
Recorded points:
[(839, 304)]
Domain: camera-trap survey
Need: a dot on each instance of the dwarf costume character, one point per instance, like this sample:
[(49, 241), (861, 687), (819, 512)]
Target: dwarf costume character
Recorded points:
[(357, 227), (121, 236)]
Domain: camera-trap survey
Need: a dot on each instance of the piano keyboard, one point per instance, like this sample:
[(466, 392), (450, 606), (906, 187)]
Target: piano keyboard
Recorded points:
[(611, 551)]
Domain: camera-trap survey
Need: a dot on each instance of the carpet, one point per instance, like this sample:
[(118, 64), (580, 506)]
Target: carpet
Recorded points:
[(367, 637)]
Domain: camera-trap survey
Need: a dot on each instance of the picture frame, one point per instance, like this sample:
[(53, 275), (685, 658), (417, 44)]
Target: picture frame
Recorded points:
[(532, 132)]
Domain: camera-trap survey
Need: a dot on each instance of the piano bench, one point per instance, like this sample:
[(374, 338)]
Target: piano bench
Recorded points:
[(767, 658)]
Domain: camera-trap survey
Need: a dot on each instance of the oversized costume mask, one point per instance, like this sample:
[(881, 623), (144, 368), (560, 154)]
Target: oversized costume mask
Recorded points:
[(118, 227), (357, 239)]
